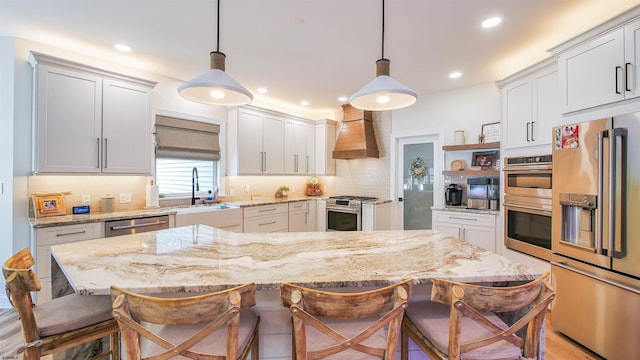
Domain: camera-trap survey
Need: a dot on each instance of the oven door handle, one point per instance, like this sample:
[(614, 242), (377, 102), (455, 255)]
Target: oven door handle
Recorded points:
[(343, 209), (527, 207)]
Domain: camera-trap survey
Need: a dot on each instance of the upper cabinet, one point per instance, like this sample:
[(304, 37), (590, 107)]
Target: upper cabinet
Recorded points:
[(530, 107), (255, 142), (299, 147), (325, 133), (88, 120), (600, 67)]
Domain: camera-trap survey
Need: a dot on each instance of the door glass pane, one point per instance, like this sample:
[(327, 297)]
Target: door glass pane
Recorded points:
[(418, 185)]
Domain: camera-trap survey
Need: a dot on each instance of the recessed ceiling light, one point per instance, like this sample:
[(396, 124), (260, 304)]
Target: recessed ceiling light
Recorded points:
[(262, 90), (491, 22), (122, 47), (304, 103), (455, 75), (343, 98)]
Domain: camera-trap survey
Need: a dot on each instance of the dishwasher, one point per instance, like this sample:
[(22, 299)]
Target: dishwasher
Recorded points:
[(135, 226)]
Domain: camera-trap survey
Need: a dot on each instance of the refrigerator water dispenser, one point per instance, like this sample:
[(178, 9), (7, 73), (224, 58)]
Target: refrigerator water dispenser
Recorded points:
[(578, 219)]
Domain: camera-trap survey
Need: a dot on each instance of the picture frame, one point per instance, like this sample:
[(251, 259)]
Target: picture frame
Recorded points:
[(48, 205), (491, 132), (485, 159)]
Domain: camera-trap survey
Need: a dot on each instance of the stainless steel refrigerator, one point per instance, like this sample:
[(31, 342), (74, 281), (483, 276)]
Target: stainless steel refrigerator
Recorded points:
[(596, 234)]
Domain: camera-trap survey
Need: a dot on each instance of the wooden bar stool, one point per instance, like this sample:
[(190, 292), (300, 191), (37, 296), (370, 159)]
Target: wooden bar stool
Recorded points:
[(359, 325), (460, 321), (218, 325), (58, 324)]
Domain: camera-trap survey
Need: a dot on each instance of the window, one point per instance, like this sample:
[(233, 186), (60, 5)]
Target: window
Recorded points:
[(181, 146)]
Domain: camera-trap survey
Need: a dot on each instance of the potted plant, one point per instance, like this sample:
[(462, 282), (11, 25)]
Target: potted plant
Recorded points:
[(284, 190)]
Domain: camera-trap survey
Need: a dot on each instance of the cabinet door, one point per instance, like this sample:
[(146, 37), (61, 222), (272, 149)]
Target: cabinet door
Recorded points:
[(273, 144), (547, 107), (632, 60), (518, 113), (449, 229), (325, 141), (312, 212), (290, 147), (482, 236), (321, 215), (298, 221), (250, 154), (368, 217), (592, 74), (309, 162), (68, 121), (126, 128)]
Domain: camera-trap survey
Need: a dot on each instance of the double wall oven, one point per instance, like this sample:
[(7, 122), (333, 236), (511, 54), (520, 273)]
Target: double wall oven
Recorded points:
[(527, 205), (344, 213)]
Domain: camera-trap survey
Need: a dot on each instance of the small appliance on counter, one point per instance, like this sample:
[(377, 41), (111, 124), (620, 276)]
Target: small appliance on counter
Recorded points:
[(453, 195), (483, 193)]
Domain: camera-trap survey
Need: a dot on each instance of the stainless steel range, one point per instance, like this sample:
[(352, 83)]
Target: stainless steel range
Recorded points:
[(344, 213)]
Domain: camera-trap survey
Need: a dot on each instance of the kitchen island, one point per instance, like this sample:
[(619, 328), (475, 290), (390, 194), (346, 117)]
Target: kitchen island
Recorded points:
[(199, 258)]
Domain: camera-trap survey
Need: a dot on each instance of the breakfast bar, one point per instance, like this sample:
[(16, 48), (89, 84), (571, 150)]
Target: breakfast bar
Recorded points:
[(200, 258)]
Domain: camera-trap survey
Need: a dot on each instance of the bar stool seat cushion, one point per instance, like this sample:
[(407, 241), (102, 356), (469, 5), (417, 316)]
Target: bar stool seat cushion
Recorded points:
[(348, 328), (432, 319), (71, 312), (213, 344)]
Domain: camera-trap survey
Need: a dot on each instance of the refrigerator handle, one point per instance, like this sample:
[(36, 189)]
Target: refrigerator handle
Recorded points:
[(616, 189), (600, 219)]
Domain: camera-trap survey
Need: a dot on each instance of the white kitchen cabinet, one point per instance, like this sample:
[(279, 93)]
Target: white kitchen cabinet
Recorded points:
[(298, 216), (321, 215), (376, 216), (44, 238), (266, 218), (600, 70), (325, 133), (477, 229), (255, 142), (89, 121), (530, 107), (299, 147)]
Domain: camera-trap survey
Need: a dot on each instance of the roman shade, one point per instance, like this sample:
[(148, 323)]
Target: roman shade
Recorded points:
[(186, 139)]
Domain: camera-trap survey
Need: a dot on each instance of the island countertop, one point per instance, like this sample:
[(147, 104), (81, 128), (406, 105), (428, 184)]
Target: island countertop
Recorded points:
[(200, 258)]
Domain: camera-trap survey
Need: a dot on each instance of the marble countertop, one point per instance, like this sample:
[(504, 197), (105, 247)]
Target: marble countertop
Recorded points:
[(200, 258)]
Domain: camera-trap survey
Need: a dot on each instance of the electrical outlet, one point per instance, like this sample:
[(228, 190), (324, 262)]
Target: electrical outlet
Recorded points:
[(293, 189), (247, 190), (125, 198), (86, 199)]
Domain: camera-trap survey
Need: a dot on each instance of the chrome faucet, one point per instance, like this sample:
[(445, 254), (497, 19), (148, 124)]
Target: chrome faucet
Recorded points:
[(195, 186)]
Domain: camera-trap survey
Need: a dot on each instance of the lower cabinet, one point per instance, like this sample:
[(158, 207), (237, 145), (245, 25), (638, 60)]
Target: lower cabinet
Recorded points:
[(298, 212), (266, 218), (376, 216), (477, 229), (227, 219), (44, 238), (321, 215)]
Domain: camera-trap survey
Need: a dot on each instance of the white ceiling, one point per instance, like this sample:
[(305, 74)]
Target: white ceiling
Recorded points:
[(314, 50)]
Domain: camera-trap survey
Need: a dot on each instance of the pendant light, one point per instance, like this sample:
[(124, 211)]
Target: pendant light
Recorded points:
[(383, 92), (215, 87)]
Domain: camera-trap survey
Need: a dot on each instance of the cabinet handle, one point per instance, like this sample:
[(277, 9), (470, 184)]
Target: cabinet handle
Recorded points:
[(97, 153), (617, 68), (105, 153), (72, 233), (528, 131), (626, 76), (307, 164), (263, 210), (532, 139), (461, 218), (268, 223)]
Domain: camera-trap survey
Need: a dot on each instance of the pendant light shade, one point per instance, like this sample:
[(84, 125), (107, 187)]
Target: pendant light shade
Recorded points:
[(215, 87), (383, 92)]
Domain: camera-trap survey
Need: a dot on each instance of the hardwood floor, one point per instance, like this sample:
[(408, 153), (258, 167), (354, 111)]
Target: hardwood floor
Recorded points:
[(559, 347)]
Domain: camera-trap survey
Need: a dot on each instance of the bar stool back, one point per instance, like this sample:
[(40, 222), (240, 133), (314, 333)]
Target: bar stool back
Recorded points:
[(359, 325), (58, 324), (460, 321)]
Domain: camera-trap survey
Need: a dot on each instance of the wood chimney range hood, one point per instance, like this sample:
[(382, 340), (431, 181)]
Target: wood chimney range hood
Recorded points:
[(356, 139)]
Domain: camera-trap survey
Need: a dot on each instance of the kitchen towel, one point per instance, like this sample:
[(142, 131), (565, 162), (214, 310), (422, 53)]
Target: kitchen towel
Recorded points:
[(152, 197)]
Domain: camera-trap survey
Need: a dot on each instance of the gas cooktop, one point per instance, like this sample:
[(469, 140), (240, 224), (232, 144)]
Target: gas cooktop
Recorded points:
[(353, 197)]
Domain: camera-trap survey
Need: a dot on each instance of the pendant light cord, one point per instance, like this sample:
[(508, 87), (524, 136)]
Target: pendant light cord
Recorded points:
[(382, 29), (218, 29)]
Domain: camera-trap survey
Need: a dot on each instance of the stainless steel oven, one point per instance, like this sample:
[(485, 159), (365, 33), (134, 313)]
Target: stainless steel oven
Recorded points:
[(344, 213), (527, 205)]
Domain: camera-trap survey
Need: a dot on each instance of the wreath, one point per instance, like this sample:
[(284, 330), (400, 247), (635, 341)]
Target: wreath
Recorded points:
[(418, 169)]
